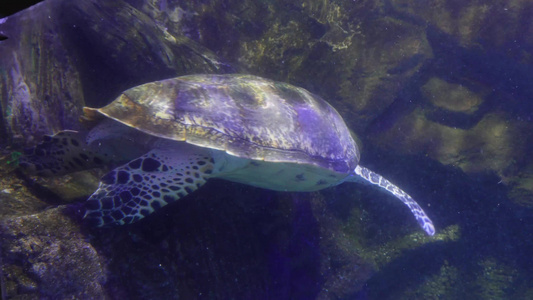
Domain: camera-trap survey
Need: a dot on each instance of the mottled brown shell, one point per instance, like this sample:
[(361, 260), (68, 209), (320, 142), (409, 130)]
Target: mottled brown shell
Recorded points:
[(244, 115)]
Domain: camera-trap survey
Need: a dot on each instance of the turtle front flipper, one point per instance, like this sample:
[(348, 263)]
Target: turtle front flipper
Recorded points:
[(59, 154), (418, 212), (136, 189)]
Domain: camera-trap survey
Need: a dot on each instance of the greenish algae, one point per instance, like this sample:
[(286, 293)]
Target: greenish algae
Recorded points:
[(384, 253), (452, 97)]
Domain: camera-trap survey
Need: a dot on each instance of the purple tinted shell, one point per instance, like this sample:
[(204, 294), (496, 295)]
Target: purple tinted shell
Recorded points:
[(244, 115)]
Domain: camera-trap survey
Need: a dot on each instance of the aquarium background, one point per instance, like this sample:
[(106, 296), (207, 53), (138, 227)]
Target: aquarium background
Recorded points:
[(438, 94)]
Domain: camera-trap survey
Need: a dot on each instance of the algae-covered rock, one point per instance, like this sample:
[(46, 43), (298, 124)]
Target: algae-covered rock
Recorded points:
[(62, 55), (40, 89), (494, 144), (45, 255), (521, 186), (451, 97), (491, 279), (71, 187), (16, 199), (476, 23), (457, 127), (124, 45)]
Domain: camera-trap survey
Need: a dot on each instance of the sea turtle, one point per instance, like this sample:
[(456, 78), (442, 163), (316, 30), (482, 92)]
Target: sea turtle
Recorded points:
[(166, 138)]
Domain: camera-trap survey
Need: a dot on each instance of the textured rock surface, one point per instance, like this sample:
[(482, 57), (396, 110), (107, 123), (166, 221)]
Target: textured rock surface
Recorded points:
[(45, 255), (40, 90), (61, 55)]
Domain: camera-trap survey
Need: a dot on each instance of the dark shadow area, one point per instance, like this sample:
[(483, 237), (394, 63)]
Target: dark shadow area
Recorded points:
[(226, 239)]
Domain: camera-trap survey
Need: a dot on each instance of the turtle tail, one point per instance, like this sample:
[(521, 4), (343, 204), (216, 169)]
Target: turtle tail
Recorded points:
[(373, 178)]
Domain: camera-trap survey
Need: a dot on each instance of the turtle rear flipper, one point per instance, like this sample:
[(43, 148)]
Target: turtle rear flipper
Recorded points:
[(61, 153), (136, 189), (373, 178)]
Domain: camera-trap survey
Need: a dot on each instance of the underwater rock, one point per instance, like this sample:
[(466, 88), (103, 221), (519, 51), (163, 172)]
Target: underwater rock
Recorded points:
[(359, 64), (493, 144), (452, 97), (15, 198), (44, 255), (521, 186), (492, 279), (122, 46), (40, 89), (344, 269), (474, 23), (69, 188), (466, 126), (480, 75), (61, 55), (12, 203), (216, 242)]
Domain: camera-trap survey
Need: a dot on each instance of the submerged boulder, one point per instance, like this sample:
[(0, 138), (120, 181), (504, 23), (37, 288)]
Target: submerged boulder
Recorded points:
[(46, 255)]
